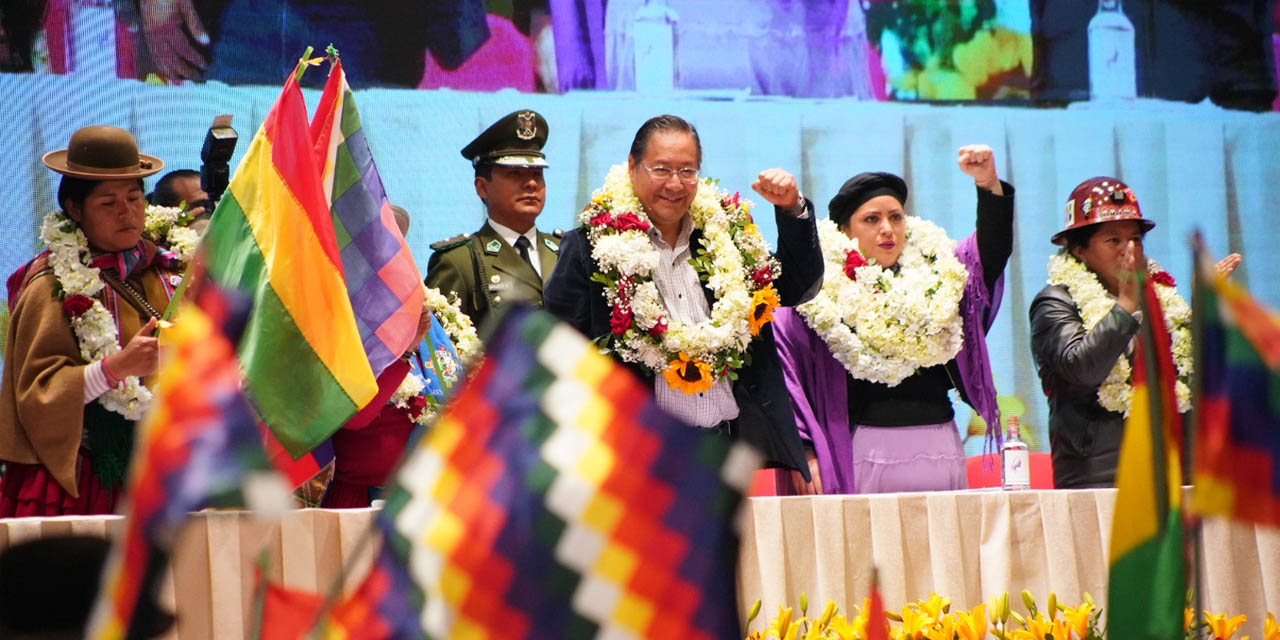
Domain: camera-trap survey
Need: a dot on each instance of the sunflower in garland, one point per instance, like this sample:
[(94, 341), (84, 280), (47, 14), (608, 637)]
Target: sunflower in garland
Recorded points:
[(763, 302), (689, 375)]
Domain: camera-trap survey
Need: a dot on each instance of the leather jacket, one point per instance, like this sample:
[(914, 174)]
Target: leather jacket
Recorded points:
[(1083, 436)]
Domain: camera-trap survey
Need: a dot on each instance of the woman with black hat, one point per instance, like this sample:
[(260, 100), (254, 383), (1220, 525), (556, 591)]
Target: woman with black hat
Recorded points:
[(1083, 324), (901, 319), (81, 334)]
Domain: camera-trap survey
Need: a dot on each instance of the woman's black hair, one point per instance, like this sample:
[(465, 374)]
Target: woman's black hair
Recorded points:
[(1080, 237), (663, 124), (77, 189)]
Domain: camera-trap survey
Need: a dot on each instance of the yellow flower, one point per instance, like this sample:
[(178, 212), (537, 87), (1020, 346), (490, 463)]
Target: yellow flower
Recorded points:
[(935, 606), (847, 629), (1221, 627), (1188, 616), (943, 629), (827, 613), (914, 622), (1036, 629), (1078, 619), (972, 625), (1270, 630), (763, 302), (780, 623), (689, 375)]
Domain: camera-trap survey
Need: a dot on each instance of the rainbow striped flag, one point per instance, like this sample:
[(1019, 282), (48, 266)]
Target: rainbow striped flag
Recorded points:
[(304, 362), (1236, 469), (553, 499), (1146, 586), (383, 282), (198, 447)]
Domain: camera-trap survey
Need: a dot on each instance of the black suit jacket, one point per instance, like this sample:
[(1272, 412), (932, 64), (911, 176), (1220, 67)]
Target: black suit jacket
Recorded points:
[(765, 418)]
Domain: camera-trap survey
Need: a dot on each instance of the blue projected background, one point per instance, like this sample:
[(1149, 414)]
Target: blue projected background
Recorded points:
[(797, 85)]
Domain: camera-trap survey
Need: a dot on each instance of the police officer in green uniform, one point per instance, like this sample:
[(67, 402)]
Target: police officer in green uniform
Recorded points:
[(508, 259)]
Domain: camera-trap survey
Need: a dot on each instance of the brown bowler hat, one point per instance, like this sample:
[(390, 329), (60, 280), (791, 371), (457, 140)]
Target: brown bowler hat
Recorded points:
[(100, 152)]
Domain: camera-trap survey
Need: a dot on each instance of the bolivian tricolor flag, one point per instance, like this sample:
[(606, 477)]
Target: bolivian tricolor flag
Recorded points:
[(272, 236), (1147, 585)]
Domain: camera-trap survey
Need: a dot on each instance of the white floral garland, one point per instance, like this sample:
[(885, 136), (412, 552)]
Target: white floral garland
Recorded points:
[(1094, 303), (461, 331), (457, 324), (884, 326), (737, 267), (167, 227), (95, 329)]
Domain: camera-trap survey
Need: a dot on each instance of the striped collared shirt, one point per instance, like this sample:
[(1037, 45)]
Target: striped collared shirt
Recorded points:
[(682, 294)]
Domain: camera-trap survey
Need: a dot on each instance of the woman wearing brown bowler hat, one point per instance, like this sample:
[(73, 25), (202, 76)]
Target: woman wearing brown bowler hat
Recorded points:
[(1083, 324), (81, 334)]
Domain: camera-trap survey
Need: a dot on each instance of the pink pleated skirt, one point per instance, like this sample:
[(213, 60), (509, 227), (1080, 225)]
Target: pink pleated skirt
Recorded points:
[(896, 459)]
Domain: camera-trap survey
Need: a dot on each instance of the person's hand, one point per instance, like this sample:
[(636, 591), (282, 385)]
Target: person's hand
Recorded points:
[(978, 161), (140, 357), (1228, 264), (166, 25), (424, 325), (779, 188), (799, 486), (1127, 292)]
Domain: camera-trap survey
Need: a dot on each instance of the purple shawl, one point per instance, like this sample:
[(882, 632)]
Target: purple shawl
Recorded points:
[(817, 383)]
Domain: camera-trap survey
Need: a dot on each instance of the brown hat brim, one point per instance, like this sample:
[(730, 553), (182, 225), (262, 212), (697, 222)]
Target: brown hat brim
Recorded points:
[(1060, 238), (57, 161)]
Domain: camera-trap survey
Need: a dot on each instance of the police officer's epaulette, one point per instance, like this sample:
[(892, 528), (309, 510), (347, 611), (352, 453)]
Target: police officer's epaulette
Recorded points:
[(449, 243)]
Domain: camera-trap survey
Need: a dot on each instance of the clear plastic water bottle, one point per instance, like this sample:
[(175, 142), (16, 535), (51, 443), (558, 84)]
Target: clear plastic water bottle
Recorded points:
[(1113, 74), (653, 31), (1015, 461)]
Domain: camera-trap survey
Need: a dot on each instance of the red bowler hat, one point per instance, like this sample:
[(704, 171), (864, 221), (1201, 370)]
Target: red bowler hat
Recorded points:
[(1099, 200)]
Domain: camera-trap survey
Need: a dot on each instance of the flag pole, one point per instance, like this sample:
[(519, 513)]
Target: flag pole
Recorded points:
[(1189, 431)]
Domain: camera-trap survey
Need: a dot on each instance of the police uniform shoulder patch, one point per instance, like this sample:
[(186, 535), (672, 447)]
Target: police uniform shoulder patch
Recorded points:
[(449, 243)]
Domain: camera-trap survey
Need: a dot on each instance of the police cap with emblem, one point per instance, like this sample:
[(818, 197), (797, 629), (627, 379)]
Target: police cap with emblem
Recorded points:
[(514, 141)]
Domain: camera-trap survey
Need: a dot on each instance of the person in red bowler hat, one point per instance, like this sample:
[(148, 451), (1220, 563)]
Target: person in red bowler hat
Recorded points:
[(1083, 324)]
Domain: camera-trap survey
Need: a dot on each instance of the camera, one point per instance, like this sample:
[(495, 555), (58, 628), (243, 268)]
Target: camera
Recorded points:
[(215, 172)]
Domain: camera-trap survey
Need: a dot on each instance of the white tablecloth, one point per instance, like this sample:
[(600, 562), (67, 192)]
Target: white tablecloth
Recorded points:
[(966, 545), (971, 545)]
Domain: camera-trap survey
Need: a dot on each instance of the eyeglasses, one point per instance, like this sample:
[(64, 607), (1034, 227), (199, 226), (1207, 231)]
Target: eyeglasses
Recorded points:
[(688, 175)]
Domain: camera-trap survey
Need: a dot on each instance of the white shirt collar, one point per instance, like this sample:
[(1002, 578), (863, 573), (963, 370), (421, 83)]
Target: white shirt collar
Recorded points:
[(509, 236)]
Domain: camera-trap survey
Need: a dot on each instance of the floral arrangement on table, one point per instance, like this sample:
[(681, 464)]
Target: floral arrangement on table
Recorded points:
[(933, 619), (169, 228), (732, 260)]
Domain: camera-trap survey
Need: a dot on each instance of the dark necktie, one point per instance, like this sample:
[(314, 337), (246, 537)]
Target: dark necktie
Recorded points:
[(522, 245)]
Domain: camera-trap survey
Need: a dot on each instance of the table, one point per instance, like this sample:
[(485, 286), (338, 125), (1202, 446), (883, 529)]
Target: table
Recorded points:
[(966, 545), (211, 584), (971, 545)]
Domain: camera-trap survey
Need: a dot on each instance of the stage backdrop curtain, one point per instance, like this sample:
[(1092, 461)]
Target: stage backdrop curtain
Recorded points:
[(1192, 166)]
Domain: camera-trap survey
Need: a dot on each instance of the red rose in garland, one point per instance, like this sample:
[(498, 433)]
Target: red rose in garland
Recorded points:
[(852, 261), (76, 305)]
